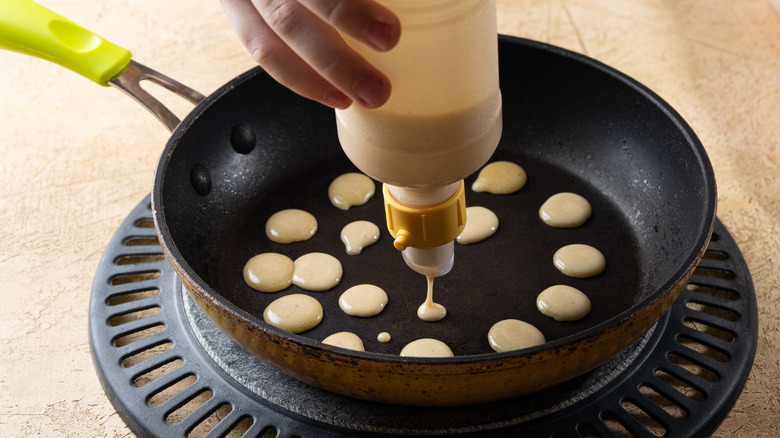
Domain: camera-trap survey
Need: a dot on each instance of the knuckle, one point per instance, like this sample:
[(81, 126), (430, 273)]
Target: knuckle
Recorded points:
[(333, 12), (284, 17), (336, 66), (261, 52)]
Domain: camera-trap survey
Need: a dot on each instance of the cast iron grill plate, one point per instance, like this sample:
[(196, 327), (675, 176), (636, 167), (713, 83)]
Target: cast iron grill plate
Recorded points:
[(169, 371)]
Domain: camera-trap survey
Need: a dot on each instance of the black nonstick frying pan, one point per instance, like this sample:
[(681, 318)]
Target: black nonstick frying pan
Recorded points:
[(253, 148)]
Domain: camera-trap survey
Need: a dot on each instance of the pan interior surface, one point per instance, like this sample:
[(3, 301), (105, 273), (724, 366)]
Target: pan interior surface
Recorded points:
[(492, 280), (571, 124)]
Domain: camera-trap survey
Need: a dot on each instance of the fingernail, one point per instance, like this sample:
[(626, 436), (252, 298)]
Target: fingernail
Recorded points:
[(371, 92), (337, 99), (378, 35)]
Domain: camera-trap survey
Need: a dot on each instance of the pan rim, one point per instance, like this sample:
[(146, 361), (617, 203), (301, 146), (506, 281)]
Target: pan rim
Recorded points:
[(677, 280)]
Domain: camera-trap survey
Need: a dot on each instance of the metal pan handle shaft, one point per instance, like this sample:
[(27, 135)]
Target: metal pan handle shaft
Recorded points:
[(130, 82)]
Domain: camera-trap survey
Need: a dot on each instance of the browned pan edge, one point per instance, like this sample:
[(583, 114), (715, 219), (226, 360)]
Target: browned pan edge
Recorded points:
[(480, 378), (425, 382)]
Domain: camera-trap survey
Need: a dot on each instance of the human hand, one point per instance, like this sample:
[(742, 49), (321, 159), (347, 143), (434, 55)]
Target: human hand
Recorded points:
[(298, 43)]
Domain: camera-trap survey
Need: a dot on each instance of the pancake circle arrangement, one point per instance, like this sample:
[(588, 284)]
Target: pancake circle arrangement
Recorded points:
[(319, 272)]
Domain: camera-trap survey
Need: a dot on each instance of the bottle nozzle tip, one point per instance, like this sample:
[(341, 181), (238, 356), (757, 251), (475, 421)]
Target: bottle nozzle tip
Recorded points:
[(402, 240)]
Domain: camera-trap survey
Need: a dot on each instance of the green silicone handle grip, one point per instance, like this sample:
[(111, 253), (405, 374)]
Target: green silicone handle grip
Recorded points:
[(29, 28)]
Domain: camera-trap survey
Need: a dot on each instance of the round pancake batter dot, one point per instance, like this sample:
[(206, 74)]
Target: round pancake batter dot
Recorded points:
[(565, 210), (317, 271), (481, 223), (350, 189), (579, 261), (426, 347), (346, 340), (269, 272), (563, 303), (513, 334), (383, 337), (363, 300), (291, 225), (358, 235), (500, 178), (294, 313), (431, 312)]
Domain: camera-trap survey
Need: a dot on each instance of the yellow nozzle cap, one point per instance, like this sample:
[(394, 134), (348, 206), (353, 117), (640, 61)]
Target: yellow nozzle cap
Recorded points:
[(426, 227)]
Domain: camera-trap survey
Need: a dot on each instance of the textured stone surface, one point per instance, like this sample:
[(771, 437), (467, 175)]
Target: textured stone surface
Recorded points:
[(76, 158)]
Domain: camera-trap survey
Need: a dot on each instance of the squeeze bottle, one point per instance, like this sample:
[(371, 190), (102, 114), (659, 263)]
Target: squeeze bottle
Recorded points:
[(441, 123)]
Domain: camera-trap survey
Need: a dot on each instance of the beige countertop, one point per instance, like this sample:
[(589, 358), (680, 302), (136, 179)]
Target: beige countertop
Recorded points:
[(75, 158)]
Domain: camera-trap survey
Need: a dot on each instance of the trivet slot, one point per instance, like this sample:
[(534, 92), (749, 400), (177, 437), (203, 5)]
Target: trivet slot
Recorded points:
[(162, 390), (156, 371), (648, 414), (714, 328), (130, 293), (187, 407), (127, 314), (621, 417)]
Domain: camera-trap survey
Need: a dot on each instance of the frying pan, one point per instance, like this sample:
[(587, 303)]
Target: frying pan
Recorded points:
[(253, 148)]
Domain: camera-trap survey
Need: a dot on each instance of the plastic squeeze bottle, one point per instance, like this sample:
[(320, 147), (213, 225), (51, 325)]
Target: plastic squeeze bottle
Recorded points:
[(441, 123)]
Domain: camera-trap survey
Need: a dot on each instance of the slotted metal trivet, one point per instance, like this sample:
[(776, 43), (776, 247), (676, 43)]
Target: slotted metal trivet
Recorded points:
[(170, 372)]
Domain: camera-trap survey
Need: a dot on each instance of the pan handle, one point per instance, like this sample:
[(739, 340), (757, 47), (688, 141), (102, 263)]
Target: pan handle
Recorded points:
[(130, 82), (29, 28)]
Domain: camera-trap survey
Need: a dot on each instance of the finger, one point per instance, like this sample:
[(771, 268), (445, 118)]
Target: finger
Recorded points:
[(281, 62), (364, 20), (321, 46)]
